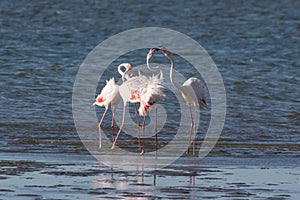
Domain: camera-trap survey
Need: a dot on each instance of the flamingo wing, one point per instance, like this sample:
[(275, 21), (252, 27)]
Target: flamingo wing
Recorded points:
[(150, 94), (130, 89), (109, 94), (200, 91)]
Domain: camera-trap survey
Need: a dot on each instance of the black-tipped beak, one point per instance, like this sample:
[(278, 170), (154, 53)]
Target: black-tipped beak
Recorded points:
[(153, 50)]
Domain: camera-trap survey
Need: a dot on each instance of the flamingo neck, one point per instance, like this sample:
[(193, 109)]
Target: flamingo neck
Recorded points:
[(121, 72), (171, 74), (161, 76)]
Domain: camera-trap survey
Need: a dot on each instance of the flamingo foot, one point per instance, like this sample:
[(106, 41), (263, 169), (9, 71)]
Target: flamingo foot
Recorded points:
[(113, 146)]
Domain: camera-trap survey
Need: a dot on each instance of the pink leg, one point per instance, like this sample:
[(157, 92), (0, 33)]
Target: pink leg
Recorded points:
[(139, 141), (143, 126), (99, 128), (112, 118), (192, 180), (113, 123), (191, 116), (121, 127), (191, 127), (155, 126), (195, 117), (136, 115), (143, 132)]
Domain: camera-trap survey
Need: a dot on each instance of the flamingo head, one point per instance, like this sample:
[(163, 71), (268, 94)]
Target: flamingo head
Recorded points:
[(165, 51), (152, 52), (127, 66)]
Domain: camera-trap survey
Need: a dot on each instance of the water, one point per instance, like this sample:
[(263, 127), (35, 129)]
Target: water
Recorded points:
[(255, 46)]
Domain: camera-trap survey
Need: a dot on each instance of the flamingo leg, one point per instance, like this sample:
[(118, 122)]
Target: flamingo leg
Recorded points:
[(191, 127), (144, 122), (195, 117), (137, 124), (143, 131), (113, 117), (189, 143), (191, 116), (139, 140), (136, 115), (113, 123), (155, 126), (99, 128), (192, 180), (121, 126)]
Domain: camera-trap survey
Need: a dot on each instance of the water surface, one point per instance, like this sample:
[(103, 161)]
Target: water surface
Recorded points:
[(255, 46)]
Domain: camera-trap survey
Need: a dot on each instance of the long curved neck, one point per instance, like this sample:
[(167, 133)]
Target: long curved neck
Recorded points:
[(161, 76), (121, 72), (171, 73)]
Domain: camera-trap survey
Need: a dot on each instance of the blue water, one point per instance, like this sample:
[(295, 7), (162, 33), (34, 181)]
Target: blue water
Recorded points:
[(254, 44)]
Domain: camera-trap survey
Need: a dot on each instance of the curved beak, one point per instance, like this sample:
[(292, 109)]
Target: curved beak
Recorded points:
[(152, 52)]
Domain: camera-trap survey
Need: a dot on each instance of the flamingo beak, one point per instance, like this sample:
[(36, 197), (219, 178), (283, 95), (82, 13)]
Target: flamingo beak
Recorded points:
[(164, 50), (152, 51)]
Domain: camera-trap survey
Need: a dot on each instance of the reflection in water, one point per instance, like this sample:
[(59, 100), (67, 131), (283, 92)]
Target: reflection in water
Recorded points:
[(82, 177), (140, 184)]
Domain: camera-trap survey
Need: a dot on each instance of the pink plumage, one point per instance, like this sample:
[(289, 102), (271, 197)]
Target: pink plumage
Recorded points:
[(150, 94)]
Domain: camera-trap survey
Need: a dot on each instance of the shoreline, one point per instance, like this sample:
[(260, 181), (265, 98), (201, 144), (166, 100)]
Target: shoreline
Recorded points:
[(71, 176)]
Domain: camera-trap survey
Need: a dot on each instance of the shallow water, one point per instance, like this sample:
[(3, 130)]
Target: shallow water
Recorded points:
[(67, 176), (255, 46)]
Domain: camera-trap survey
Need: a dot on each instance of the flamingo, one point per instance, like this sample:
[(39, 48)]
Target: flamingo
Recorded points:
[(192, 90), (141, 89), (127, 74), (110, 96), (149, 99), (149, 56)]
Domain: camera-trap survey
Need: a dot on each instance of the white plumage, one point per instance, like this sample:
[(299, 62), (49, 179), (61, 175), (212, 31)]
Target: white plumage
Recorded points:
[(151, 92), (109, 96), (194, 92)]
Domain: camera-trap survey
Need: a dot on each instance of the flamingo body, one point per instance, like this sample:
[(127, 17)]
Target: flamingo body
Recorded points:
[(150, 94), (109, 96), (194, 92)]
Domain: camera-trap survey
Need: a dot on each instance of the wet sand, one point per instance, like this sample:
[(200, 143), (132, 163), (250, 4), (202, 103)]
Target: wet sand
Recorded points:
[(67, 176)]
